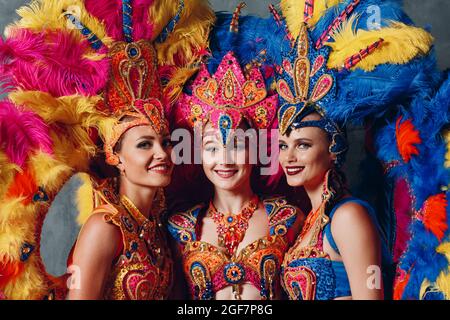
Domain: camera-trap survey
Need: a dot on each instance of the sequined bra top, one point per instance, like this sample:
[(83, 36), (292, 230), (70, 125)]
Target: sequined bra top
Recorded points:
[(309, 274), (142, 269), (207, 267)]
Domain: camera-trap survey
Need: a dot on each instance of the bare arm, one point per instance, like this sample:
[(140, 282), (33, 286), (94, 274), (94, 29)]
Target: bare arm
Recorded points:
[(359, 245), (92, 258)]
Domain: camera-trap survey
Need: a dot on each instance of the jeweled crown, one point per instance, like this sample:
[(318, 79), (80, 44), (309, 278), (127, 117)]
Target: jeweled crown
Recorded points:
[(228, 97), (301, 83)]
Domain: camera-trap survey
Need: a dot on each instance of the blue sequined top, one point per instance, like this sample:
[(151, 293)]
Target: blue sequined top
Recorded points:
[(309, 274)]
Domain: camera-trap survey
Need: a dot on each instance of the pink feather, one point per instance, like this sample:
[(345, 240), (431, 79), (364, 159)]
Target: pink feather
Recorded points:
[(21, 133), (402, 206), (110, 12), (52, 63), (142, 26)]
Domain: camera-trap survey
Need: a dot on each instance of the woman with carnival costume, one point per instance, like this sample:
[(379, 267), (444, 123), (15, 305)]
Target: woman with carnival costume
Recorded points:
[(339, 243), (335, 72), (78, 70), (231, 248)]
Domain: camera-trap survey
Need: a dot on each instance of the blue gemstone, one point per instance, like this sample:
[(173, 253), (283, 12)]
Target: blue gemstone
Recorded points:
[(230, 219), (133, 52)]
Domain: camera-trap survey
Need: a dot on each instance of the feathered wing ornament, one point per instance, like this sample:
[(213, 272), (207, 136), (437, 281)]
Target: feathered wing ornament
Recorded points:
[(56, 66), (387, 78)]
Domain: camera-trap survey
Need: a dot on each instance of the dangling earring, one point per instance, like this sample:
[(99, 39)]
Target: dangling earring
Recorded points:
[(325, 186)]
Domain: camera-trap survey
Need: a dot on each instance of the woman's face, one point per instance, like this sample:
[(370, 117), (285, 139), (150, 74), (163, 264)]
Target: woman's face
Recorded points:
[(145, 157), (227, 168), (304, 155)]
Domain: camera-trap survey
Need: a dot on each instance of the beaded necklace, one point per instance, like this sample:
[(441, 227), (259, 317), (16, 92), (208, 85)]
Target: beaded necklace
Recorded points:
[(231, 228)]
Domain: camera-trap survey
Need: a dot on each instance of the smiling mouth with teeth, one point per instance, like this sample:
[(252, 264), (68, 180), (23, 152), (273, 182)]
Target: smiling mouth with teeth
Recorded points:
[(225, 173), (160, 169), (294, 170)]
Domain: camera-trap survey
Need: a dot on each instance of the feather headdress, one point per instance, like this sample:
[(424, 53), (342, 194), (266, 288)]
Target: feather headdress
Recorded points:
[(74, 68)]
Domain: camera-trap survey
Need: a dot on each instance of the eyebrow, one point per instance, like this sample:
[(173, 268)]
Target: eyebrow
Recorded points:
[(210, 133), (303, 140), (296, 140), (146, 137)]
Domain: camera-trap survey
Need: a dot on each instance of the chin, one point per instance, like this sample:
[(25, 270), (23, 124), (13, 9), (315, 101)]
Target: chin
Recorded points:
[(295, 181), (158, 181), (226, 184)]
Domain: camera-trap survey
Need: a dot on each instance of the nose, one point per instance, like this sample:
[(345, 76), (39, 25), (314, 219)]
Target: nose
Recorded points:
[(288, 156), (227, 156), (160, 152)]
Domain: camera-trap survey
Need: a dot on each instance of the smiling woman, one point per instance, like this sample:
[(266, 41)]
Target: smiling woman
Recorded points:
[(231, 248), (103, 99)]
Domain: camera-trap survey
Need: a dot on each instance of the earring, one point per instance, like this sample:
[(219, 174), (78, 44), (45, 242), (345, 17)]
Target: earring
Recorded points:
[(325, 187)]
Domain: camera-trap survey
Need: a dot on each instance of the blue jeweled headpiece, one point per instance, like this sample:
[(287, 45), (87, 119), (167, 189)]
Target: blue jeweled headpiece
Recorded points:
[(304, 86)]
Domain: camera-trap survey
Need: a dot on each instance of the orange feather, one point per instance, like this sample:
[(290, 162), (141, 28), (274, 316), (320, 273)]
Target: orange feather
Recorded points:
[(435, 215), (9, 271), (407, 139), (24, 185), (399, 286)]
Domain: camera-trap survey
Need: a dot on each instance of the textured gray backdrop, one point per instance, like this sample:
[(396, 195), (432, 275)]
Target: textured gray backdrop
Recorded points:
[(59, 231)]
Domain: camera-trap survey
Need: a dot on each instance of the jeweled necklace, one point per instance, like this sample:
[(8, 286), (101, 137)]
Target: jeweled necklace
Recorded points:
[(231, 228)]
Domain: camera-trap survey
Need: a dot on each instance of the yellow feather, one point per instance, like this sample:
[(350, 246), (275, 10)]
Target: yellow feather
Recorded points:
[(401, 44), (174, 87), (70, 153), (191, 32), (447, 155), (49, 172), (17, 225), (70, 117), (293, 11), (444, 249), (47, 14), (30, 285), (443, 283), (7, 172), (85, 198)]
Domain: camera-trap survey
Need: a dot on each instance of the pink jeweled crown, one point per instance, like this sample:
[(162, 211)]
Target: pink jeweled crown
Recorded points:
[(228, 97)]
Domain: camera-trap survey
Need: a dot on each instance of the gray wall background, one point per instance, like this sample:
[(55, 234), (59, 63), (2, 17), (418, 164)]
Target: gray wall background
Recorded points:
[(60, 230), (424, 12)]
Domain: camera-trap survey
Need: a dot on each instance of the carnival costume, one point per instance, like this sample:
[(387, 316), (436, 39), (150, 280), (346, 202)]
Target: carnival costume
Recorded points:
[(73, 70), (383, 76), (224, 99)]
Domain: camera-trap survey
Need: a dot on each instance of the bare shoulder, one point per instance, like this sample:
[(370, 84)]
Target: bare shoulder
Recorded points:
[(352, 223), (98, 235), (352, 214)]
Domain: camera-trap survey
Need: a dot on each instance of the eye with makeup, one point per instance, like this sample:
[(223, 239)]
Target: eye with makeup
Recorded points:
[(282, 146), (303, 145), (145, 144), (167, 143), (210, 147)]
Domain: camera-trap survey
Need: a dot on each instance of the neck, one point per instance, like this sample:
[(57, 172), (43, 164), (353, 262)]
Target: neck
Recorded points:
[(232, 201), (315, 195), (141, 197)]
